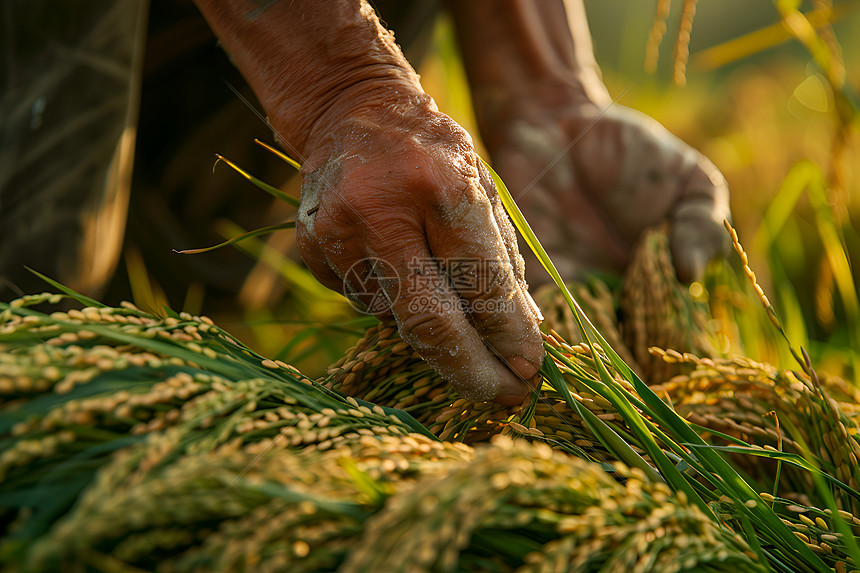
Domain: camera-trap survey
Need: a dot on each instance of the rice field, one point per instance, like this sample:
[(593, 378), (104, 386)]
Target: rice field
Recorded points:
[(675, 428), (135, 442)]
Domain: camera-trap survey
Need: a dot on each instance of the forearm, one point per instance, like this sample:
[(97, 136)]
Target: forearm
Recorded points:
[(526, 49), (303, 58)]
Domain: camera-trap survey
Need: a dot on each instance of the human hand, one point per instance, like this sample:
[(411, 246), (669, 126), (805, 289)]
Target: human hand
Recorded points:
[(590, 180), (589, 175), (391, 184)]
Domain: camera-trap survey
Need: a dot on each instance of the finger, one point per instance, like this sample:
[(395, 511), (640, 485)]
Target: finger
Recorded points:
[(698, 235), (427, 310), (467, 242), (509, 239), (314, 258), (334, 257), (429, 316)]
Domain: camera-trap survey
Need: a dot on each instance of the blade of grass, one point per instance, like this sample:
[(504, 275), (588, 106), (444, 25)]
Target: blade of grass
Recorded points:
[(279, 153), (242, 237), (146, 293), (837, 256), (841, 524), (315, 295), (752, 539), (762, 39), (671, 444), (83, 299), (607, 436), (271, 190), (786, 457)]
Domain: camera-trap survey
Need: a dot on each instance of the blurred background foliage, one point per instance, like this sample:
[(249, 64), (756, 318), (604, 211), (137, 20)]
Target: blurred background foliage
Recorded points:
[(777, 122)]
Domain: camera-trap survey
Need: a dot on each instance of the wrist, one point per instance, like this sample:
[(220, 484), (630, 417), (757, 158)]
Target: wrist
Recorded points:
[(541, 57), (303, 121), (567, 87), (547, 100), (301, 57)]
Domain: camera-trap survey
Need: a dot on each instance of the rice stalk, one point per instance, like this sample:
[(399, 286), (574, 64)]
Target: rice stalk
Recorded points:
[(184, 450), (682, 45)]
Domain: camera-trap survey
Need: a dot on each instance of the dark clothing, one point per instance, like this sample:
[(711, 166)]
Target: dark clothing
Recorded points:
[(79, 75)]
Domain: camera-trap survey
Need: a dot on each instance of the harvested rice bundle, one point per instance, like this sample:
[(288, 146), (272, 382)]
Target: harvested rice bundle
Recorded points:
[(642, 527), (232, 509), (776, 409), (133, 441), (77, 387), (175, 447), (576, 516)]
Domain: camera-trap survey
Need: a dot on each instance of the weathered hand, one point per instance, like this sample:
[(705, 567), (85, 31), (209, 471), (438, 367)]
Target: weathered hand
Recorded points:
[(395, 200), (590, 180)]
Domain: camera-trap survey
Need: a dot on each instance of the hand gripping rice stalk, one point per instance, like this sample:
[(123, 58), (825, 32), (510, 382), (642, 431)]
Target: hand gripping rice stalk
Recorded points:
[(381, 368), (649, 310), (133, 442)]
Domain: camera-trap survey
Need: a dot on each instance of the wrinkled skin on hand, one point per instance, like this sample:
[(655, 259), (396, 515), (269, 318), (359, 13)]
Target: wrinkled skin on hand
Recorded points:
[(624, 173), (392, 178)]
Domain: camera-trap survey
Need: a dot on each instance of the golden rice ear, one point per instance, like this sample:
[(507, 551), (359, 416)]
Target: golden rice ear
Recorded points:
[(655, 37), (682, 45), (192, 442), (681, 51), (657, 311)]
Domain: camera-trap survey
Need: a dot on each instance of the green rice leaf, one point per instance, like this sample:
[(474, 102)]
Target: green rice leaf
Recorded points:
[(242, 237), (271, 190), (607, 436), (279, 154), (787, 457), (81, 298)]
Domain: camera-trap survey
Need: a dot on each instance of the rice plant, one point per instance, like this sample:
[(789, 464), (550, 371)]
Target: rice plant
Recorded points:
[(131, 441)]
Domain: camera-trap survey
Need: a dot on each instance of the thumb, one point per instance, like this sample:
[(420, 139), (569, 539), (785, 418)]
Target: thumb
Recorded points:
[(695, 243), (698, 235)]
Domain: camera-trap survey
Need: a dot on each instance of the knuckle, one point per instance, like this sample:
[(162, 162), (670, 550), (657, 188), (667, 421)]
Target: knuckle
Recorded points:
[(492, 289), (450, 131), (331, 229), (427, 332), (367, 203)]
